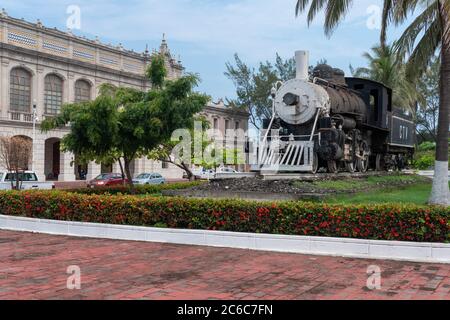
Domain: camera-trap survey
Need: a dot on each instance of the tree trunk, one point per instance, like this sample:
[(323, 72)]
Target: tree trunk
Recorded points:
[(188, 171), (17, 180), (128, 171), (440, 194), (121, 169), (13, 182)]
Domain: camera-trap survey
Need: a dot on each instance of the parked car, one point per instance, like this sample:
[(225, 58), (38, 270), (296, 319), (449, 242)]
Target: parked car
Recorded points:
[(28, 180), (149, 178), (201, 174), (206, 174), (107, 180), (226, 170)]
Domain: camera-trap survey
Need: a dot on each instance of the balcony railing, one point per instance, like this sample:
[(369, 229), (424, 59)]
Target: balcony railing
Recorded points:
[(26, 117), (20, 116)]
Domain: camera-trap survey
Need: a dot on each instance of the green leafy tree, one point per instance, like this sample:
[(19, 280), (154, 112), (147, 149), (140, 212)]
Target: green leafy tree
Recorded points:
[(125, 123), (428, 33), (93, 128), (189, 155), (157, 71), (222, 156), (253, 86)]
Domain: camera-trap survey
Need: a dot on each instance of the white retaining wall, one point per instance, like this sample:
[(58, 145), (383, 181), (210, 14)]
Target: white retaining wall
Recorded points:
[(358, 248)]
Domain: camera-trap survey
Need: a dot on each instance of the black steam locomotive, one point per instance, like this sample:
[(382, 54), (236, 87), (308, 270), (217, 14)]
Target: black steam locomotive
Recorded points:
[(337, 123)]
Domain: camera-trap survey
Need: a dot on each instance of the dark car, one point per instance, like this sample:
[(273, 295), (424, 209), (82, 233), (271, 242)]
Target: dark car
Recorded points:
[(107, 180)]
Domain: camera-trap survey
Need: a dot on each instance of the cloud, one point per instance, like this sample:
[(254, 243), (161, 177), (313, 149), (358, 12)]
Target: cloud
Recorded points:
[(252, 27), (208, 32), (248, 26)]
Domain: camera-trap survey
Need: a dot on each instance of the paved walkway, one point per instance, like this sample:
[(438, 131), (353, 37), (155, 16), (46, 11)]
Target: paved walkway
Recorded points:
[(34, 266)]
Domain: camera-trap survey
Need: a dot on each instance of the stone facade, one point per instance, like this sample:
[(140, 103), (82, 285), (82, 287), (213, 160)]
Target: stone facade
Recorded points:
[(45, 68)]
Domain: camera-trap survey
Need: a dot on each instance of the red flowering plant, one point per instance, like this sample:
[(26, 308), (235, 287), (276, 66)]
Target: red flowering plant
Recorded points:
[(378, 222)]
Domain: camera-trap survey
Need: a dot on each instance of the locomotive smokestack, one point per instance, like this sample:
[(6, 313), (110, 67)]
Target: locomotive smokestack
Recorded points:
[(302, 62)]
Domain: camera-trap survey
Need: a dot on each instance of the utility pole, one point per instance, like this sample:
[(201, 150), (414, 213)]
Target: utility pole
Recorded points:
[(34, 135)]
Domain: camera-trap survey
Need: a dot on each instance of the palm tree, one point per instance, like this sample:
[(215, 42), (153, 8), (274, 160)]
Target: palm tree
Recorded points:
[(387, 67), (428, 33)]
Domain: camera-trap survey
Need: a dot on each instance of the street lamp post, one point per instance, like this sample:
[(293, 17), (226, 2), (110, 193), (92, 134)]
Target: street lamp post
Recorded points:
[(34, 135)]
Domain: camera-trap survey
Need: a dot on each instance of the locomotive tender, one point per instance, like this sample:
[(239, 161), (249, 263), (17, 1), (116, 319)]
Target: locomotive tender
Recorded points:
[(333, 122)]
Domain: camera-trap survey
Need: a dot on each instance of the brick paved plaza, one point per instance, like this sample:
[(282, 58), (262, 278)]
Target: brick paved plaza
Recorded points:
[(34, 266)]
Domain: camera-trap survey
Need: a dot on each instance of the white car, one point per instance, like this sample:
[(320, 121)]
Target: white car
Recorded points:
[(28, 180), (202, 174), (207, 174), (226, 170), (149, 178)]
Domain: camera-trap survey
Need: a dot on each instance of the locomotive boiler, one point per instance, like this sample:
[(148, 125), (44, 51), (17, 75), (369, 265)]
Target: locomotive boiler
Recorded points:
[(325, 120)]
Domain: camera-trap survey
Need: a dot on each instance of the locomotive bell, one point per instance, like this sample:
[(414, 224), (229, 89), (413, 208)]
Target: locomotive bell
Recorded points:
[(297, 100)]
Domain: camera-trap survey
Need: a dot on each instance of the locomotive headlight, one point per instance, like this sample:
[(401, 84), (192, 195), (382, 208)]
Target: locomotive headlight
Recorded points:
[(291, 99)]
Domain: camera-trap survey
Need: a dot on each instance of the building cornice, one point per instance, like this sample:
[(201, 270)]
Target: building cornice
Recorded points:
[(226, 111), (71, 37), (37, 37), (94, 67)]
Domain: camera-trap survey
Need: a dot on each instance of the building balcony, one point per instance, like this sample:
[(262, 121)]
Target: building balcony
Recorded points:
[(20, 116)]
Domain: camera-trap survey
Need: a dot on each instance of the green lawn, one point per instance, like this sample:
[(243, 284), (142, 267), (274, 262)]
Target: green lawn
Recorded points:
[(416, 194), (355, 184)]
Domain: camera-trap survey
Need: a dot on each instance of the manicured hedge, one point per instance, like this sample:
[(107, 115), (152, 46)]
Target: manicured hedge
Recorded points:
[(137, 190), (384, 222)]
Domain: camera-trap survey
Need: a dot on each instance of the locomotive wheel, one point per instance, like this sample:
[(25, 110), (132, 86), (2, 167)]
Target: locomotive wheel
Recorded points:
[(332, 166), (363, 160), (351, 166), (380, 163), (315, 163)]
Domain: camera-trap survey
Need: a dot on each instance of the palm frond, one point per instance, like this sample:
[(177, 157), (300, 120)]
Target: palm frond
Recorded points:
[(336, 11), (424, 51), (408, 39), (386, 19), (403, 8), (301, 6), (316, 6)]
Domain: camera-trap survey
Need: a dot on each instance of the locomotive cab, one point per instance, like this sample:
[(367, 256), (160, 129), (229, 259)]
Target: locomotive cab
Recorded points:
[(377, 98)]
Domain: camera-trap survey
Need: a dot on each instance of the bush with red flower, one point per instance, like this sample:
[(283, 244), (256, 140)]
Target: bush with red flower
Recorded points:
[(377, 222)]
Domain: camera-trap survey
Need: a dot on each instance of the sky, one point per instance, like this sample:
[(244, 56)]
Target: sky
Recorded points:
[(207, 33)]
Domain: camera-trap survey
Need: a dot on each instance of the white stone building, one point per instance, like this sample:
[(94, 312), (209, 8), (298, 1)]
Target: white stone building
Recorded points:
[(226, 121), (46, 68)]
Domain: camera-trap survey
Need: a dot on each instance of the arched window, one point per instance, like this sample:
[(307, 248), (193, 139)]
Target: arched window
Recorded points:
[(82, 91), (20, 90), (53, 94)]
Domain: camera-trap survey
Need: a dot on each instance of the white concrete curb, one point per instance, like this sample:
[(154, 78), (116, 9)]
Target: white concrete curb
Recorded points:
[(357, 248)]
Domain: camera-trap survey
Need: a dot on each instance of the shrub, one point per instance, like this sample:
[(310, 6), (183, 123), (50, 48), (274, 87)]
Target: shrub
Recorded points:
[(137, 190), (378, 222), (424, 162), (427, 146)]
